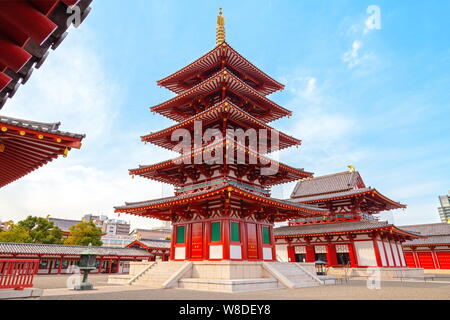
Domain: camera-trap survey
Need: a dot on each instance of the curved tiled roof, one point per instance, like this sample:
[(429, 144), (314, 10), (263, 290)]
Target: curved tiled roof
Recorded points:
[(340, 227), (59, 249), (337, 182), (52, 128), (436, 233)]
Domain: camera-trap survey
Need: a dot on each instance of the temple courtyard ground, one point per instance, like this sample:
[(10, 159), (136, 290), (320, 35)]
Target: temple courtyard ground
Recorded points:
[(55, 289)]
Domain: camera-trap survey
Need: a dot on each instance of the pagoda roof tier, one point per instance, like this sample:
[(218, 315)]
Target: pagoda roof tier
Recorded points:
[(352, 227), (180, 107), (166, 208), (168, 171), (224, 54), (163, 138), (27, 145), (373, 200)]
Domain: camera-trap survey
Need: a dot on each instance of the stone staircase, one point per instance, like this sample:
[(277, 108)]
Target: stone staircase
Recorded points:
[(292, 275), (157, 274)]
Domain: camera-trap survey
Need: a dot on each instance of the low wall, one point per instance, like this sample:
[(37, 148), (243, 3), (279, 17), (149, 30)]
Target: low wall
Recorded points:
[(26, 294)]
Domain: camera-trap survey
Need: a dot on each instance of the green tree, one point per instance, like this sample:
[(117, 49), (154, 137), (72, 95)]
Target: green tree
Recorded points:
[(83, 234), (32, 230), (41, 230), (16, 234)]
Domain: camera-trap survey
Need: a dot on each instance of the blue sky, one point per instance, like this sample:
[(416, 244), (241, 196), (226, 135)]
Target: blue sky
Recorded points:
[(376, 99)]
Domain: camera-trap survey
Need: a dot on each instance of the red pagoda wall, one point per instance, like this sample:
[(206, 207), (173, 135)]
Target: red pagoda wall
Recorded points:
[(223, 238)]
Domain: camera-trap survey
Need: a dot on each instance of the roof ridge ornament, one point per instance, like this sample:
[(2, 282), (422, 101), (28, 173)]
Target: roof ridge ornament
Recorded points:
[(220, 30)]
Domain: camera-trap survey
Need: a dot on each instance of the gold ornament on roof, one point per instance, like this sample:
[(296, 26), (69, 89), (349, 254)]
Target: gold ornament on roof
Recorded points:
[(351, 168), (220, 33)]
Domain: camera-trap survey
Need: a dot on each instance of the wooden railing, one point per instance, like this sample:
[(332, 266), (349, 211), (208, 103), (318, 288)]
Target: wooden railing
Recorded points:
[(17, 274)]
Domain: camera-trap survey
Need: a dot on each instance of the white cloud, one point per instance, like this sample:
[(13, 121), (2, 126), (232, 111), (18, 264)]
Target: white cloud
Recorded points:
[(326, 133), (352, 57), (75, 88)]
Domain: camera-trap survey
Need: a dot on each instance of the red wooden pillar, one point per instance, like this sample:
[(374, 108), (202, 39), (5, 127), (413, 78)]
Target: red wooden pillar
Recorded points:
[(392, 251), (415, 257), (244, 243), (259, 241), (377, 251), (310, 254), (272, 241), (100, 266), (226, 239), (207, 237), (291, 253), (352, 254), (435, 258), (118, 265), (331, 255), (172, 243), (188, 241), (110, 266), (60, 264)]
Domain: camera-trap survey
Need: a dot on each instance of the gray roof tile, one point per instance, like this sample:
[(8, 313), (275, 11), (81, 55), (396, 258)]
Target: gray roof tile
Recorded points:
[(52, 128), (337, 182), (59, 249)]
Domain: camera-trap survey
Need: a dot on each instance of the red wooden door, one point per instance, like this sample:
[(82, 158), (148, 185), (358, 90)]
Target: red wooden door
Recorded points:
[(252, 241), (197, 241), (409, 258), (444, 259), (426, 260)]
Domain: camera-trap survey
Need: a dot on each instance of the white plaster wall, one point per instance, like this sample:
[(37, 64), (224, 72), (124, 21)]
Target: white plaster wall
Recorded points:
[(396, 257), (180, 253), (235, 252), (216, 252), (382, 253), (267, 253), (402, 257), (366, 253), (282, 253), (389, 253)]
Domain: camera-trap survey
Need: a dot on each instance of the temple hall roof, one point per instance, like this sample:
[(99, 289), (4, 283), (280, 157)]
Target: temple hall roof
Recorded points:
[(335, 228), (436, 233), (338, 182), (59, 249)]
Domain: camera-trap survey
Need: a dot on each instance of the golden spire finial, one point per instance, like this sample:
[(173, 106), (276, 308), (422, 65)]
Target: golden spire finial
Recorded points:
[(220, 33)]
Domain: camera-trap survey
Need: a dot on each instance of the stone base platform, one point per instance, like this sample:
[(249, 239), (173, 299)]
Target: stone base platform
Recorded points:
[(235, 285), (220, 276)]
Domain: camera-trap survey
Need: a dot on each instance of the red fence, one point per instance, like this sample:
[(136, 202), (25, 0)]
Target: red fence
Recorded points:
[(17, 274)]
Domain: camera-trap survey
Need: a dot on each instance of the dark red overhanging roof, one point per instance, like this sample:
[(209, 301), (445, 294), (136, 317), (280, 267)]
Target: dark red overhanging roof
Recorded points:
[(266, 110), (192, 74), (28, 29), (168, 170), (232, 112), (28, 145), (164, 208)]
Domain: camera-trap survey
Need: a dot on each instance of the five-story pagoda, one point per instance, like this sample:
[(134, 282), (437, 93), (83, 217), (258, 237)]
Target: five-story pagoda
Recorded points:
[(222, 208)]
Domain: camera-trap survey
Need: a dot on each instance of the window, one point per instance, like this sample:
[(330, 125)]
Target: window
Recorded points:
[(43, 264), (266, 235), (343, 258), (235, 232), (215, 231), (300, 257), (180, 234)]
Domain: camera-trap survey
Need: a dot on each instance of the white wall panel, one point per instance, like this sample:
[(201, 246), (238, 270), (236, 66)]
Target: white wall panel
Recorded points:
[(366, 253)]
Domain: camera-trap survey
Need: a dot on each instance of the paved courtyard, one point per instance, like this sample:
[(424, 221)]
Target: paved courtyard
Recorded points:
[(55, 289)]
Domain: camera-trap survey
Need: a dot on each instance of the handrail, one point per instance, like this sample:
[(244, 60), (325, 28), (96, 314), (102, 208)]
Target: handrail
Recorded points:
[(17, 274), (151, 265)]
